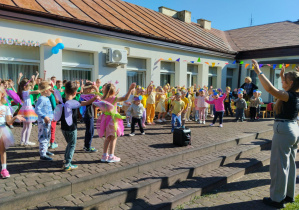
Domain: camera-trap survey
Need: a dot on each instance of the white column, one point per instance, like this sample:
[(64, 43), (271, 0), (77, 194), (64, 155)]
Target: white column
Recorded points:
[(203, 75), (50, 62), (181, 73)]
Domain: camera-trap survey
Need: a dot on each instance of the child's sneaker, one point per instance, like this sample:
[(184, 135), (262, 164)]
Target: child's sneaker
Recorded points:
[(132, 134), (159, 121), (113, 159), (164, 120), (200, 122), (143, 125), (5, 173), (45, 158), (70, 167), (220, 125), (203, 122), (49, 153), (128, 125), (143, 133), (29, 143), (211, 124), (149, 123), (153, 123), (91, 149), (104, 158), (53, 145)]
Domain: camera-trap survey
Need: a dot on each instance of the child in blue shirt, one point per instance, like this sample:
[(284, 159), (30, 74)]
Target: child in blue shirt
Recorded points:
[(43, 109)]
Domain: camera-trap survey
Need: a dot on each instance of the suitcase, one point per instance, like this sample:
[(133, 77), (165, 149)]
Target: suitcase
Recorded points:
[(182, 137)]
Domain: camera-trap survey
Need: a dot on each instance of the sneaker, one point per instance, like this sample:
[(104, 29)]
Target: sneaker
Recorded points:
[(164, 120), (211, 124), (53, 145), (153, 123), (104, 158), (143, 125), (132, 134), (242, 120), (49, 153), (128, 125), (70, 167), (22, 144), (5, 173), (29, 143), (113, 159), (149, 123), (91, 149), (45, 158), (203, 122), (200, 121), (159, 121), (11, 126), (143, 133), (220, 125)]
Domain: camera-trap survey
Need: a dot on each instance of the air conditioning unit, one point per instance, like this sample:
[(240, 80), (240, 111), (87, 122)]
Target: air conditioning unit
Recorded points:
[(116, 56)]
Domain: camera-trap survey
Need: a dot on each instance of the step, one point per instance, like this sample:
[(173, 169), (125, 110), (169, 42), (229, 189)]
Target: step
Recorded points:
[(183, 192), (124, 190), (95, 180)]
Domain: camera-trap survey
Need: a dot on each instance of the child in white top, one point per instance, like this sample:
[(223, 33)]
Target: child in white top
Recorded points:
[(6, 137), (202, 105)]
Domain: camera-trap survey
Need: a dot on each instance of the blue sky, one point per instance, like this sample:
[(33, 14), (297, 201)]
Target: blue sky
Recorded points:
[(231, 14)]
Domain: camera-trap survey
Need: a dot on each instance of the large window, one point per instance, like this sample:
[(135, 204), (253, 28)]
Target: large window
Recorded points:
[(167, 73), (72, 74), (229, 77), (192, 72), (213, 77), (10, 70), (136, 71)]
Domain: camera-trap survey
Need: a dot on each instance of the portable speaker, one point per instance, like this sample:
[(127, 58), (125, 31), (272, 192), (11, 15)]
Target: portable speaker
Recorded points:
[(182, 137)]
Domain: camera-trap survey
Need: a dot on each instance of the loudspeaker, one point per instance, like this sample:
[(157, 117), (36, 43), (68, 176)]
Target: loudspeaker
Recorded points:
[(182, 137)]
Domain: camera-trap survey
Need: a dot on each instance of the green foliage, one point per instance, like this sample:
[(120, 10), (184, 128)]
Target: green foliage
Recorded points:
[(293, 206)]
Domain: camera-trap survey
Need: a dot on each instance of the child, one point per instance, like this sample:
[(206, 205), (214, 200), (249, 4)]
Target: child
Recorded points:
[(70, 131), (211, 98), (177, 107), (258, 111), (189, 97), (27, 111), (88, 118), (125, 107), (240, 106), (227, 102), (109, 127), (6, 136), (186, 101), (219, 107), (143, 101), (254, 103), (150, 104), (196, 117), (202, 105), (45, 112), (161, 105), (136, 111)]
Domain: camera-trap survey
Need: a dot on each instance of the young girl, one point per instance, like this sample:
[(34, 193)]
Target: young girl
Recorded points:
[(161, 105), (27, 111), (150, 104), (211, 99), (6, 137), (110, 127), (219, 107), (202, 105), (196, 108)]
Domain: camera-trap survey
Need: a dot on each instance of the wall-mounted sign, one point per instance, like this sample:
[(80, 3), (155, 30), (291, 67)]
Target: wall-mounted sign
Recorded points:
[(11, 41)]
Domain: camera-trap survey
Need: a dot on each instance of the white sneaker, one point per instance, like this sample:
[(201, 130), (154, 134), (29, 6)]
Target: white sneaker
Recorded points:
[(132, 134), (128, 125), (159, 121), (220, 125), (29, 143), (200, 121), (164, 120), (22, 144), (211, 124), (204, 122), (143, 133)]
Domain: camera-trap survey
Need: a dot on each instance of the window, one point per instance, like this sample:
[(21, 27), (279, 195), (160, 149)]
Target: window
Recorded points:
[(167, 73), (75, 74), (254, 78), (213, 77), (192, 72), (229, 77), (136, 71)]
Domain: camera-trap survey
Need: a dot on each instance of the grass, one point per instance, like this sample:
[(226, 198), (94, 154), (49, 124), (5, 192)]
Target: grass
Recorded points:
[(293, 206)]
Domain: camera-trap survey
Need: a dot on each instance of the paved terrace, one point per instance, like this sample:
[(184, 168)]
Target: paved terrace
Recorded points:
[(28, 173)]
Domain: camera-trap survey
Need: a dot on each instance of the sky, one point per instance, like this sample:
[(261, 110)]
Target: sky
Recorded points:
[(231, 14)]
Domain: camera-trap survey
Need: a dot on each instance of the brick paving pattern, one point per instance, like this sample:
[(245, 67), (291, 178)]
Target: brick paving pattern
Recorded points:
[(28, 173)]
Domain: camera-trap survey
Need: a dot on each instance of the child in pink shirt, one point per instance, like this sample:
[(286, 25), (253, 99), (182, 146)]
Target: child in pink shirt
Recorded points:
[(202, 105), (219, 107)]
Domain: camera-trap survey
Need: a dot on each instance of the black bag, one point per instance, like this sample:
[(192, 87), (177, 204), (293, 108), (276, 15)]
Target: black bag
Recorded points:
[(182, 137)]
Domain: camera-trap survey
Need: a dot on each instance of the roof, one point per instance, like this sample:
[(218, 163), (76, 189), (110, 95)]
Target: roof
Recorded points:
[(125, 17), (273, 35)]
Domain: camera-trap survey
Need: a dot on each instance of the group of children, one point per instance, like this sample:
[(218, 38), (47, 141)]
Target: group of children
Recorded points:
[(52, 101)]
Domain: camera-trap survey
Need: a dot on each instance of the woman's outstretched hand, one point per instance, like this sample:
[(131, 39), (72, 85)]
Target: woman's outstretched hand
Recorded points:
[(282, 71), (256, 67)]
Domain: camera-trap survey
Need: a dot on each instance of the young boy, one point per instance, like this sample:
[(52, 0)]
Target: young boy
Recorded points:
[(240, 106), (227, 102), (88, 118), (43, 109), (177, 107), (70, 132), (136, 111), (254, 103)]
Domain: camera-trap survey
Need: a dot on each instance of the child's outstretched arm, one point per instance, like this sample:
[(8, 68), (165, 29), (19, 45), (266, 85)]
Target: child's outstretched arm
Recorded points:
[(10, 120), (90, 101), (20, 77), (126, 97)]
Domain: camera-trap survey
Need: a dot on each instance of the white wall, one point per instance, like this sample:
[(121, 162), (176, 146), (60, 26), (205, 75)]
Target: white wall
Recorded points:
[(98, 45)]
